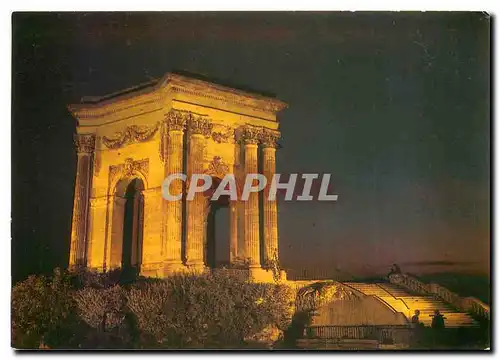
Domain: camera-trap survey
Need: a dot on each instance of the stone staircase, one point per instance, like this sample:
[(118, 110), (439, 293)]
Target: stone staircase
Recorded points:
[(401, 300)]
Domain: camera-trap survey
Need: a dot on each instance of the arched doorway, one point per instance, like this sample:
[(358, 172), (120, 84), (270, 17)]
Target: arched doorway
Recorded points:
[(133, 219), (217, 230), (126, 229)]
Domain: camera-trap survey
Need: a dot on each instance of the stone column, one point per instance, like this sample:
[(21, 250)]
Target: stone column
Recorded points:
[(96, 234), (152, 261), (233, 231), (252, 242), (137, 226), (85, 145), (199, 128), (270, 209), (173, 209), (116, 211)]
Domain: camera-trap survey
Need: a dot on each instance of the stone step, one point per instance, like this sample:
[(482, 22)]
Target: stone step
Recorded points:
[(403, 301)]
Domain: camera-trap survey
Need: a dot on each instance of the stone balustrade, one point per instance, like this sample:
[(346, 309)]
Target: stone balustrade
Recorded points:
[(468, 304), (397, 334)]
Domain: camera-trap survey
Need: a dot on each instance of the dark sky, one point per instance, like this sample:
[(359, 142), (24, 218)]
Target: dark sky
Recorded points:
[(394, 105)]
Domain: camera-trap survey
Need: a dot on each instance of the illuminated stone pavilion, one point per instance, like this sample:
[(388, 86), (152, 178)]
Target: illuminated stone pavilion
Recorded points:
[(129, 142)]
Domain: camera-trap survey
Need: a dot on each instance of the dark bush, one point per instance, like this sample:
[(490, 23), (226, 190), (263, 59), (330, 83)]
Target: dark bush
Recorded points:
[(208, 310), (43, 312), (91, 310)]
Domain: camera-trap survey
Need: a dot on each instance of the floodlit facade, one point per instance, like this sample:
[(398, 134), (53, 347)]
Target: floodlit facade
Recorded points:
[(129, 142)]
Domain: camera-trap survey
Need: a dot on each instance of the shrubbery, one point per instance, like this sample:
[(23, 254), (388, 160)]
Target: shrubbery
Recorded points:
[(183, 311), (43, 311)]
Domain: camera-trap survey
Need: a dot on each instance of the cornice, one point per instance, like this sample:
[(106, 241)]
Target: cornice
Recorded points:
[(213, 91), (99, 110), (154, 92)]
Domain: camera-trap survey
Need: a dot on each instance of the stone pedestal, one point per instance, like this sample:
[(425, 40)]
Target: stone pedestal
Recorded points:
[(257, 274)]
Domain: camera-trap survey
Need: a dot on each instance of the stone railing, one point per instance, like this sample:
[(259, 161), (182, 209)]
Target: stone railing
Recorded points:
[(476, 306), (395, 334), (446, 295), (407, 312), (467, 304), (410, 283), (311, 274)]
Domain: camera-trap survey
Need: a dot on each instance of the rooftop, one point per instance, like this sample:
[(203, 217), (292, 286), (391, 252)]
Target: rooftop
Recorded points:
[(185, 78)]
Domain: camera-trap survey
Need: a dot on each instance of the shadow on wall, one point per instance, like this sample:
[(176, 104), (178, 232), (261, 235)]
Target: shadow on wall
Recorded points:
[(364, 310)]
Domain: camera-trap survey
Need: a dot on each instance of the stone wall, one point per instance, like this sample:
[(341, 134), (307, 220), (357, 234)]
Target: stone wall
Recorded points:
[(362, 311)]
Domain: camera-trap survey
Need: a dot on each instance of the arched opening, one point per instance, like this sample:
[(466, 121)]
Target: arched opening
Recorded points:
[(217, 246), (133, 219)]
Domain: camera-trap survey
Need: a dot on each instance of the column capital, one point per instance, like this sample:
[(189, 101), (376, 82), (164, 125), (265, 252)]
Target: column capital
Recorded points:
[(249, 135), (176, 121), (200, 125), (84, 143), (172, 128), (269, 138)]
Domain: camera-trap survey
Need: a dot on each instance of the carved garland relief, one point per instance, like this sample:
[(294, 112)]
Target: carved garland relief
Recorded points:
[(223, 134), (176, 120), (131, 134), (217, 168), (126, 170)]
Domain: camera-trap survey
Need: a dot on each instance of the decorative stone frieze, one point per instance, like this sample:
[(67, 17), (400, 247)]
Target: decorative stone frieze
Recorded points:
[(128, 169), (132, 134), (223, 134)]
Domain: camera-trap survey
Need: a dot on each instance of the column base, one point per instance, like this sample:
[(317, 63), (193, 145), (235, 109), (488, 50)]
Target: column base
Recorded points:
[(75, 268), (283, 276), (170, 269), (196, 268), (154, 270), (260, 275), (256, 274)]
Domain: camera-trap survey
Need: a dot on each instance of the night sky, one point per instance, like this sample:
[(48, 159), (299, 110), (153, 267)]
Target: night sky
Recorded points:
[(396, 106)]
